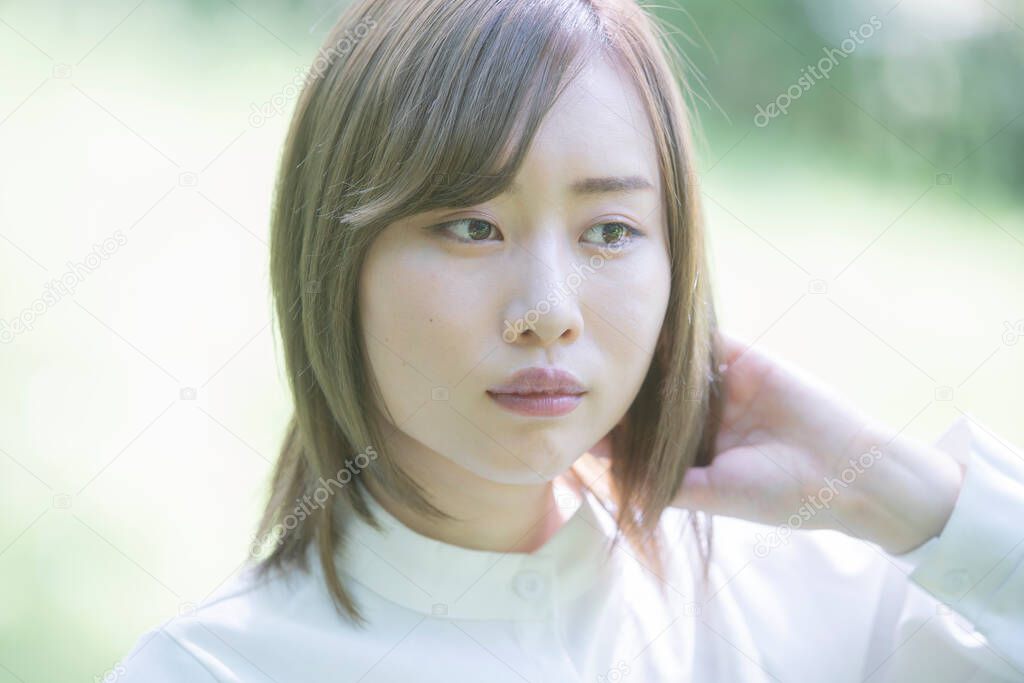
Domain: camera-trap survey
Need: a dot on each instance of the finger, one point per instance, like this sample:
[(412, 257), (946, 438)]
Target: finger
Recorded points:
[(696, 492), (730, 347)]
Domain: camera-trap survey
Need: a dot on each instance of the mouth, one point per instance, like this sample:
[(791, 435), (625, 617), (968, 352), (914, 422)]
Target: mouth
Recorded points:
[(538, 404), (540, 392)]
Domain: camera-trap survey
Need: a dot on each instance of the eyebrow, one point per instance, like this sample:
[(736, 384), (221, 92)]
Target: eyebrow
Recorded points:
[(605, 185)]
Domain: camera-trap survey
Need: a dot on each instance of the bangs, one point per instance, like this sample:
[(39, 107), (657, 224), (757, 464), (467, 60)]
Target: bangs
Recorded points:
[(457, 113)]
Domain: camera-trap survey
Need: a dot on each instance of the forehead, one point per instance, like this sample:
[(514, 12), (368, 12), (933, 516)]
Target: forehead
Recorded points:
[(599, 122)]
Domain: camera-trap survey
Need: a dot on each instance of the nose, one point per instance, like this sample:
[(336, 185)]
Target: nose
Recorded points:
[(544, 307)]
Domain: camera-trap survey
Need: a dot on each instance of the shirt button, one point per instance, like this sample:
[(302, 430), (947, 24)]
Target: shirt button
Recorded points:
[(529, 584), (956, 582)]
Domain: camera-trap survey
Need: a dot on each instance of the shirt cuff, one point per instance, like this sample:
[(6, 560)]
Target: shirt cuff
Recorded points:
[(912, 559), (976, 564)]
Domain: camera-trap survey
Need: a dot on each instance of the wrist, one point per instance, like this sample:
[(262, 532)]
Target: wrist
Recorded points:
[(916, 495)]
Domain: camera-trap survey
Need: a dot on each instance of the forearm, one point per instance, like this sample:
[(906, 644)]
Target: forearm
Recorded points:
[(907, 495)]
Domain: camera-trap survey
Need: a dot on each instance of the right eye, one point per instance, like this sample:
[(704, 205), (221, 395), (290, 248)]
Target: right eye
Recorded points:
[(475, 229)]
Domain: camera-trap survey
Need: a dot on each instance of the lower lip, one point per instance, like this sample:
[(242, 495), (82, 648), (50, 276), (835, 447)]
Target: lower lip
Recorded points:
[(538, 405)]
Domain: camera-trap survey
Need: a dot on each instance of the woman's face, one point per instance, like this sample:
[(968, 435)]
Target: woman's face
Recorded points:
[(567, 271)]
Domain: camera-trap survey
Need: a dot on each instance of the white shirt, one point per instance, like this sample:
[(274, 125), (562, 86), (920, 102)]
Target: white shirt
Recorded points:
[(816, 605)]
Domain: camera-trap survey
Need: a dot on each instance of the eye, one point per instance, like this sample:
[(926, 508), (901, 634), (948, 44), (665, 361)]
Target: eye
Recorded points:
[(477, 230), (614, 233), (466, 230)]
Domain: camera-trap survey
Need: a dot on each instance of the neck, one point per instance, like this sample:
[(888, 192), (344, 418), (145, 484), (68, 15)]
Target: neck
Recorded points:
[(488, 515)]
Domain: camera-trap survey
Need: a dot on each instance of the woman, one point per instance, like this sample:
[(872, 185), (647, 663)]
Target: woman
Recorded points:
[(516, 418)]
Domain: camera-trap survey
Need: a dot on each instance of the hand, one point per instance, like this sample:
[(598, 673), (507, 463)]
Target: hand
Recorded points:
[(791, 452)]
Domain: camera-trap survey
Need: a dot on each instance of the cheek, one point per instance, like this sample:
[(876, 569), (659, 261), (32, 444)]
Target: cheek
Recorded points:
[(625, 309), (421, 328), (627, 301)]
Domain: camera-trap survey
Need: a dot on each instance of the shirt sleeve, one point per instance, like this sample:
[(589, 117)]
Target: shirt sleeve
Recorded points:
[(158, 657), (962, 610)]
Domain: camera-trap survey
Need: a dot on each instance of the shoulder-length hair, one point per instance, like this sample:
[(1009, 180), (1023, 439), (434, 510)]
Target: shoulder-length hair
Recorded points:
[(422, 104)]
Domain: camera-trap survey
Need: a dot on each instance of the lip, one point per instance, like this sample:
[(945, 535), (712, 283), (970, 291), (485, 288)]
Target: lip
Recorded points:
[(540, 380), (540, 392)]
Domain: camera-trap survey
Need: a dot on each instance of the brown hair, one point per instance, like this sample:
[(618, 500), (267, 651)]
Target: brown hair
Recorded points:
[(423, 104)]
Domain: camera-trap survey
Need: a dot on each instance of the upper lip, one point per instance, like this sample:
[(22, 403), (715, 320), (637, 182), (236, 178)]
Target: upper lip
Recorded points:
[(538, 380)]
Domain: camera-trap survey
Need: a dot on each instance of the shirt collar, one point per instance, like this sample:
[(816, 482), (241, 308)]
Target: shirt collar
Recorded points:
[(448, 581)]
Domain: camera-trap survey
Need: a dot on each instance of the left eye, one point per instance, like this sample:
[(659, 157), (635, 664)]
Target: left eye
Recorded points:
[(477, 230), (614, 233)]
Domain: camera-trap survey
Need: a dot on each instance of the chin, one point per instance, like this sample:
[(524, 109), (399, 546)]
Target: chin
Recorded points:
[(509, 470)]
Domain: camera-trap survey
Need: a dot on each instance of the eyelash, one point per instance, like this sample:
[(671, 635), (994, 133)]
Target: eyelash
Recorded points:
[(632, 232)]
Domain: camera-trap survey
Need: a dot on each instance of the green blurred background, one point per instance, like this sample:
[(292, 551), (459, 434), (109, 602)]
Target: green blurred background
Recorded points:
[(873, 235)]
